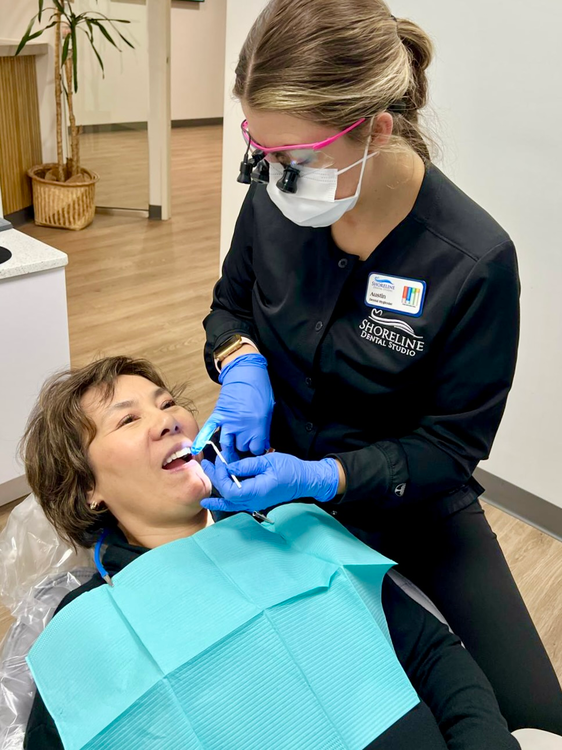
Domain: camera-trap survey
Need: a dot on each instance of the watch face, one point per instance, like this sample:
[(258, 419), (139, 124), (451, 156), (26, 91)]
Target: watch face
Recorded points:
[(227, 348)]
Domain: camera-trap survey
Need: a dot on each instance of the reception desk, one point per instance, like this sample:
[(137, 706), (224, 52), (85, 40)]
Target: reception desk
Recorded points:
[(33, 341)]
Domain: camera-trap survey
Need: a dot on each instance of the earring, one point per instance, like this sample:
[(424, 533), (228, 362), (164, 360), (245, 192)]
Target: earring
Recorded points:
[(94, 505)]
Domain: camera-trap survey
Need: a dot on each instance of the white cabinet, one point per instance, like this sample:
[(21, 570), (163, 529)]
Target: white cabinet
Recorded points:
[(33, 342)]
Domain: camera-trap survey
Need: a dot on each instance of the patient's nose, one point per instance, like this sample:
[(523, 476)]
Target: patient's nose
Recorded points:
[(168, 424)]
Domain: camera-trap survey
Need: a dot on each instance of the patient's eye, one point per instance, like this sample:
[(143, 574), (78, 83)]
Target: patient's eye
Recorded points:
[(129, 418)]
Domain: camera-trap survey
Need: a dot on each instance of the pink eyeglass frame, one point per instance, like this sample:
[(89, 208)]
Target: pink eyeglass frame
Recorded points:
[(314, 146)]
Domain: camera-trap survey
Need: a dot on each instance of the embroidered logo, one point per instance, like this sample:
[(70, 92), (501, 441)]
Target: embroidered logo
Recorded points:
[(380, 331)]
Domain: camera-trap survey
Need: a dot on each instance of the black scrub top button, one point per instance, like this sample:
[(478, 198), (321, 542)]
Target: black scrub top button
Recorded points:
[(319, 325), (334, 512), (308, 381), (309, 427), (342, 263)]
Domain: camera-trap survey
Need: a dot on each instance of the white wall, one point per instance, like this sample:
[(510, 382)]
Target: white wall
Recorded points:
[(496, 95), (14, 19), (122, 94), (240, 15), (198, 32), (197, 64)]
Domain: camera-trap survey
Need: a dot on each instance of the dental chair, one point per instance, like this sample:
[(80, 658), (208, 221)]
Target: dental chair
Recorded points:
[(37, 569)]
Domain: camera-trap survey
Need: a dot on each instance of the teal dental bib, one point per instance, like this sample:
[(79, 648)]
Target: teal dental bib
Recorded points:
[(245, 636)]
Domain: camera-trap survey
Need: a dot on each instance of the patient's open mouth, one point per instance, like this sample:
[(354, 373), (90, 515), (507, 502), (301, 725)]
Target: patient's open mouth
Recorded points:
[(177, 460)]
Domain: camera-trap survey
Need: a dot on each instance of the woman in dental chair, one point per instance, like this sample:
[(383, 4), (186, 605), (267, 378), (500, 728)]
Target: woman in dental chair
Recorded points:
[(97, 453)]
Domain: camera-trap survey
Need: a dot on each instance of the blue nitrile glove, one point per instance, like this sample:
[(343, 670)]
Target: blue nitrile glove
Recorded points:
[(243, 410), (276, 478)]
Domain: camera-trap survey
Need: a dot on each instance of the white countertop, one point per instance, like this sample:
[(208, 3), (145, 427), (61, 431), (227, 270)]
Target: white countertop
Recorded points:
[(28, 255), (8, 48)]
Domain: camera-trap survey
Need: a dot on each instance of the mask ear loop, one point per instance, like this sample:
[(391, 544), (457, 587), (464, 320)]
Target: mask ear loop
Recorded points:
[(365, 158)]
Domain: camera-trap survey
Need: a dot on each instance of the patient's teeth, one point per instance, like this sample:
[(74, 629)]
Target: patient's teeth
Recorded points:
[(178, 454)]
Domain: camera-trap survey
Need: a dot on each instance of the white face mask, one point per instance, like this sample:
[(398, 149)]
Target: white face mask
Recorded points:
[(314, 204)]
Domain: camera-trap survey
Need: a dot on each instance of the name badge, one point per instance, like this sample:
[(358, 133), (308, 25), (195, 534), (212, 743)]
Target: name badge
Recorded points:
[(401, 295)]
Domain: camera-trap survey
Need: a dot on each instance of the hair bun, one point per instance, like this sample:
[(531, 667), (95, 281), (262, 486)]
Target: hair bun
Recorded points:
[(420, 50)]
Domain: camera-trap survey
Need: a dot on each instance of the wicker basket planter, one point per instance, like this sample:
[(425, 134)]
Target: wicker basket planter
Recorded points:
[(67, 205)]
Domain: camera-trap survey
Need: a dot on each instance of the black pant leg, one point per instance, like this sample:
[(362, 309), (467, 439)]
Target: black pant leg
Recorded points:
[(459, 564), (417, 729)]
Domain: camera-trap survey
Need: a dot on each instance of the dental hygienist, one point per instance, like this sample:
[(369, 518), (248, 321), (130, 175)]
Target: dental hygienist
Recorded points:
[(382, 303)]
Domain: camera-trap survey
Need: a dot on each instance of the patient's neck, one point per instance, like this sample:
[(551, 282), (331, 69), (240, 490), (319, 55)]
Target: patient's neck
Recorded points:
[(154, 536)]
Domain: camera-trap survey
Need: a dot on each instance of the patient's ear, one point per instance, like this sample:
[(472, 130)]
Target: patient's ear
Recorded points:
[(95, 501)]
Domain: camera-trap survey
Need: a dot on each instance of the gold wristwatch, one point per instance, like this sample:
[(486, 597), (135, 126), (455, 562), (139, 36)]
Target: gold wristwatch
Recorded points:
[(230, 346)]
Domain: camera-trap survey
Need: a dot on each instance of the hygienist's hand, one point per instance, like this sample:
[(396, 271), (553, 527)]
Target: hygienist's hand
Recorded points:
[(243, 410), (276, 478)]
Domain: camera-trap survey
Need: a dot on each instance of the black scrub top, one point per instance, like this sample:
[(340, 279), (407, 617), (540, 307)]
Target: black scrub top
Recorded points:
[(406, 388)]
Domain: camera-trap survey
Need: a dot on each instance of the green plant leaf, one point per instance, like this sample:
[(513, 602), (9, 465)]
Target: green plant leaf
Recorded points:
[(65, 47), (121, 35), (113, 21), (53, 14), (41, 3), (107, 18), (97, 54), (25, 37), (74, 57), (90, 36), (35, 34), (104, 31), (49, 26), (71, 16)]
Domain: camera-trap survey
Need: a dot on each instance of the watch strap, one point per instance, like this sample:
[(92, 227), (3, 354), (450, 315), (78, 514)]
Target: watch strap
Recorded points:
[(241, 341)]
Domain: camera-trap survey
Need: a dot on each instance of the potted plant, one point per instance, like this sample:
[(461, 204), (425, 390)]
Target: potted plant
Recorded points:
[(64, 193)]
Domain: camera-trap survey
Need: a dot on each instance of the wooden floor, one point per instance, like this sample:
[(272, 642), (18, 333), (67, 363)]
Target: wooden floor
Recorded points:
[(142, 288), (121, 161)]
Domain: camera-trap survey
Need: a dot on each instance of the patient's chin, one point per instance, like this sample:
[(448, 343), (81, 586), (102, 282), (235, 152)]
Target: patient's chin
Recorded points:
[(199, 480), (206, 483)]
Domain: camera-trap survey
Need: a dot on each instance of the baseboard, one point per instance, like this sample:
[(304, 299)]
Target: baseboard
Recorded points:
[(197, 122), (524, 505), (113, 127), (114, 211), (119, 127), (21, 217)]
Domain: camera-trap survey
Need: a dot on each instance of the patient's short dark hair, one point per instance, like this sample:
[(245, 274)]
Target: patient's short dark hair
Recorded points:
[(56, 441)]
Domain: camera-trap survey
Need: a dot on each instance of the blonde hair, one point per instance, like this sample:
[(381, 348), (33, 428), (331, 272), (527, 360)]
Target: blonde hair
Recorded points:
[(334, 62)]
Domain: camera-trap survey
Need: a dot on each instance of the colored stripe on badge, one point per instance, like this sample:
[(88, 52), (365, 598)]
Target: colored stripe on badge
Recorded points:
[(411, 296)]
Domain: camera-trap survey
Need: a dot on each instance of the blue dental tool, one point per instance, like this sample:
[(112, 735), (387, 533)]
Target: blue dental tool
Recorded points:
[(97, 559)]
